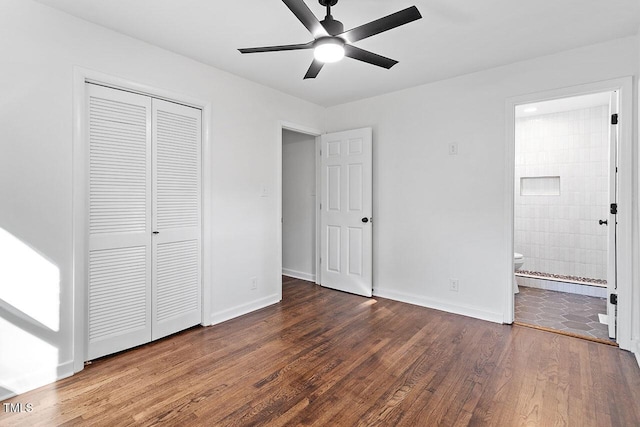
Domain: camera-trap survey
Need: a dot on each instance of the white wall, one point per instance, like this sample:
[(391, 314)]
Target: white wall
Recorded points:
[(298, 205), (40, 48), (440, 216), (559, 233), (636, 212)]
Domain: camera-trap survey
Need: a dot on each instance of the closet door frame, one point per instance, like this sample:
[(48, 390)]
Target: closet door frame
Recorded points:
[(80, 239)]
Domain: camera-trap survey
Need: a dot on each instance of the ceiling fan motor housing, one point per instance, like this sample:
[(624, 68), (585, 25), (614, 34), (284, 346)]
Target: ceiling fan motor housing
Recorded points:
[(333, 26)]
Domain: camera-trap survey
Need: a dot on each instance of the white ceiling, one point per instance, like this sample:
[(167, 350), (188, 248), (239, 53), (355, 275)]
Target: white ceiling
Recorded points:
[(454, 37), (563, 104)]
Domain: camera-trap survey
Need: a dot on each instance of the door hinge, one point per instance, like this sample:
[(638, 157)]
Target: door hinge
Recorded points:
[(614, 119), (320, 152), (613, 299), (320, 206), (320, 260), (614, 209)]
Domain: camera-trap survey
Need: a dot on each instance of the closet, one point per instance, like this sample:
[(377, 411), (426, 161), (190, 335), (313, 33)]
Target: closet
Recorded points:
[(144, 219)]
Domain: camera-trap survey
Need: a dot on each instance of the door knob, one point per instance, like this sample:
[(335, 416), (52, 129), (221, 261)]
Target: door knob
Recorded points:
[(156, 232), (365, 219), (603, 221)]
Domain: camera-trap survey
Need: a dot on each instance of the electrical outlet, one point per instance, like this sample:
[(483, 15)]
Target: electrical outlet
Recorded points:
[(254, 283), (454, 285), (453, 148)]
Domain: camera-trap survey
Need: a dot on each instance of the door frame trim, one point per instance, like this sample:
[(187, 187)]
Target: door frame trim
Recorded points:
[(80, 172), (625, 193), (306, 130)]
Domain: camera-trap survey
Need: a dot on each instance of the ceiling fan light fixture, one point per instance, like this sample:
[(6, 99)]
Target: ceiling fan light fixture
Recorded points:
[(331, 43), (329, 49)]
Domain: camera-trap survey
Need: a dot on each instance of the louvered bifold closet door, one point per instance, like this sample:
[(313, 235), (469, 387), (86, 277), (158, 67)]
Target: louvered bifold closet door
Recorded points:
[(119, 273), (176, 218)]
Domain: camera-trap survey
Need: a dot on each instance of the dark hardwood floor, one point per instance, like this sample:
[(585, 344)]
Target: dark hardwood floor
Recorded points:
[(327, 358)]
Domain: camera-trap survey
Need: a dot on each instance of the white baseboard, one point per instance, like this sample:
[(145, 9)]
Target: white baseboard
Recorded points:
[(239, 310), (299, 275), (11, 387), (439, 305)]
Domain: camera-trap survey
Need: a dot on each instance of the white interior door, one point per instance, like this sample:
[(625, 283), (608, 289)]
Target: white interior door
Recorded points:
[(176, 300), (612, 221), (346, 211), (119, 273)]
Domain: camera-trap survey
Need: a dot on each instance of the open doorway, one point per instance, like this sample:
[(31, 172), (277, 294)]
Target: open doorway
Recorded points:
[(299, 205), (326, 182), (623, 295), (566, 170)]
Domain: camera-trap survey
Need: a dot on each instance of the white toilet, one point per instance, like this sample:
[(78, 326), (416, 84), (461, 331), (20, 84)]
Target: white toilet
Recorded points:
[(518, 261)]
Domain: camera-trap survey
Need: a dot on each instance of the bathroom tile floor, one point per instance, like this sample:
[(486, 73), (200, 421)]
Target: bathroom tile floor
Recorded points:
[(577, 314)]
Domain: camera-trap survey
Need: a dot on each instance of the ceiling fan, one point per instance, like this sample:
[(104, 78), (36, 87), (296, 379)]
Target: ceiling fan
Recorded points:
[(331, 43)]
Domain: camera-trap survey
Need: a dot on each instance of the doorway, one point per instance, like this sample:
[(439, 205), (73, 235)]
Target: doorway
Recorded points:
[(83, 79), (603, 245), (561, 226), (299, 205), (337, 177)]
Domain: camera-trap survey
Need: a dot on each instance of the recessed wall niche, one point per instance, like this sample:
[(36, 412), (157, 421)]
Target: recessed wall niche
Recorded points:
[(540, 186)]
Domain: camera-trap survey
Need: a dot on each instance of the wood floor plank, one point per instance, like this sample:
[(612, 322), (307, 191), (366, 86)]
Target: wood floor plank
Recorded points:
[(322, 357)]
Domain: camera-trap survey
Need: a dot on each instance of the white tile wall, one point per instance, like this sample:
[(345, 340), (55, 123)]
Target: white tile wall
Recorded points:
[(560, 234)]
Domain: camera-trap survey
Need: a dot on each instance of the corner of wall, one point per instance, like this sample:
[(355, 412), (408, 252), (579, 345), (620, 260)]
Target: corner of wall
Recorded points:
[(299, 275), (239, 310)]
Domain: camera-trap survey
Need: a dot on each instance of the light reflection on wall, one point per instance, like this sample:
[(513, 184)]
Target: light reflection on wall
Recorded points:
[(29, 317), (26, 360), (29, 282)]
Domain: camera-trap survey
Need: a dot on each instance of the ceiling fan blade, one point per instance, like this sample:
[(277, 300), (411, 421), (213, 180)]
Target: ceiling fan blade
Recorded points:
[(314, 69), (277, 48), (378, 26), (368, 57), (308, 19)]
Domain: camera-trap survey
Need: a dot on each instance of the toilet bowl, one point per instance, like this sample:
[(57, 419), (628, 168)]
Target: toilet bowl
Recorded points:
[(518, 261)]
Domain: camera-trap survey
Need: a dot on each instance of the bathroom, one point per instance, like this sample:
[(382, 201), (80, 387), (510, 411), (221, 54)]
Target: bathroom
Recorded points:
[(563, 188)]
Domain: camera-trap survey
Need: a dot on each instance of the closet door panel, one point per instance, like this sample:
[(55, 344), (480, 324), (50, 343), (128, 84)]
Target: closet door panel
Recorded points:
[(119, 274), (176, 199)]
